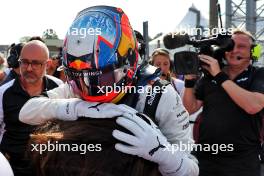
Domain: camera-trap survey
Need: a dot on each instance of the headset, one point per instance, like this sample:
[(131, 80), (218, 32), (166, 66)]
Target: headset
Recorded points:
[(255, 51), (14, 53)]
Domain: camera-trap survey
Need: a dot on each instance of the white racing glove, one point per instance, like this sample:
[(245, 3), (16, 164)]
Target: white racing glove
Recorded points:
[(149, 143), (71, 109)]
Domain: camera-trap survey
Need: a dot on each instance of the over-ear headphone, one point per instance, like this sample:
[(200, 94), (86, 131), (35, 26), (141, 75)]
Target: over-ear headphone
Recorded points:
[(141, 42), (255, 51), (14, 53)]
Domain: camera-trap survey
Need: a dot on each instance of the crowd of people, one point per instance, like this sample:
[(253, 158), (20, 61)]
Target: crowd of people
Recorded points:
[(71, 123)]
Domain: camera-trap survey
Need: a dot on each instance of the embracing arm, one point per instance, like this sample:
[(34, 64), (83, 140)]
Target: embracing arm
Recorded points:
[(149, 143), (173, 122), (38, 110), (172, 117)]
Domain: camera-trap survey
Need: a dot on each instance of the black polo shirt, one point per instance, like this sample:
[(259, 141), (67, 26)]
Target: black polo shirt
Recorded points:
[(13, 97), (224, 122)]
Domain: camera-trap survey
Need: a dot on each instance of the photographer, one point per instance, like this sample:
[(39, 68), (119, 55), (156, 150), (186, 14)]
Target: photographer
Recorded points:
[(232, 98)]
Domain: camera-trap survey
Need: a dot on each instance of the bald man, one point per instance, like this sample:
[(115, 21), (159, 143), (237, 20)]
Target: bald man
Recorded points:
[(14, 94)]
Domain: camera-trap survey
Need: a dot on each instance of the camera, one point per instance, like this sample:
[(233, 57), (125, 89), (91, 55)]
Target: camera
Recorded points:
[(186, 59)]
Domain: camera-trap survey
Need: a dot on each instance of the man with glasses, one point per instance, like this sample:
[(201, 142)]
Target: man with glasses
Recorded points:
[(32, 82)]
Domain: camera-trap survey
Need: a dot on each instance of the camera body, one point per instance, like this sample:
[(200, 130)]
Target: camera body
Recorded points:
[(186, 59)]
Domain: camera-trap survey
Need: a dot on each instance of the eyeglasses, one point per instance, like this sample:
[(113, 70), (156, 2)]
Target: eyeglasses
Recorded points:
[(35, 65)]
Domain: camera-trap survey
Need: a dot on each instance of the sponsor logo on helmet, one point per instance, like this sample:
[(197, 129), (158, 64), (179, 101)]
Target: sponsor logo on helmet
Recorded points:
[(79, 65)]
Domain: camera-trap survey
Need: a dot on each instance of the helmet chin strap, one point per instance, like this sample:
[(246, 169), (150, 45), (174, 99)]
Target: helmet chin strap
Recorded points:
[(118, 98)]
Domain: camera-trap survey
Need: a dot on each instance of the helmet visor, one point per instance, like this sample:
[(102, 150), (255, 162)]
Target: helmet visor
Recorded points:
[(96, 82)]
